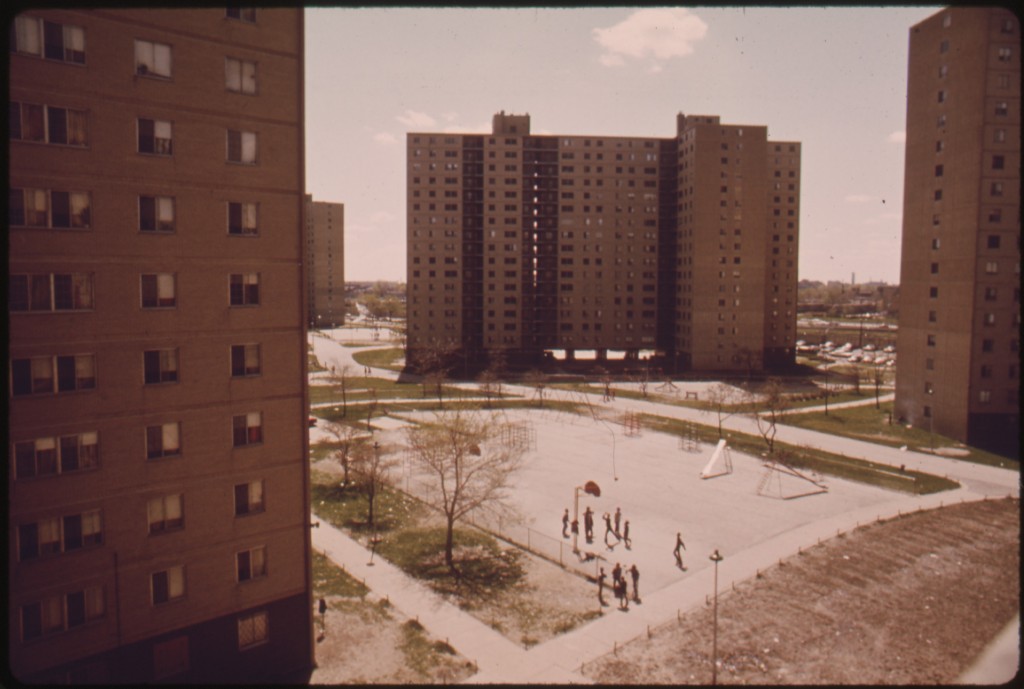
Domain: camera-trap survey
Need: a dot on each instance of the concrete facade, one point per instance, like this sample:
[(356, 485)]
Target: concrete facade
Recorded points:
[(959, 335), (325, 263), (683, 247), (158, 492)]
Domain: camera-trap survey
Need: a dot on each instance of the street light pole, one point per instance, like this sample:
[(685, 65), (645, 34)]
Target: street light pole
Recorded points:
[(716, 558), (590, 488)]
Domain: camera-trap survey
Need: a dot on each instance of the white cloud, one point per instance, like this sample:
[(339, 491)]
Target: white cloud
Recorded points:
[(659, 34), (411, 118), (857, 198), (484, 128), (897, 138), (386, 138)]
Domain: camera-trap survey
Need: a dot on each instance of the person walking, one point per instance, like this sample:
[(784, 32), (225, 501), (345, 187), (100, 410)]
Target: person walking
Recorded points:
[(618, 519), (600, 587), (675, 551), (565, 523), (616, 574), (588, 524), (634, 573), (625, 536), (623, 597)]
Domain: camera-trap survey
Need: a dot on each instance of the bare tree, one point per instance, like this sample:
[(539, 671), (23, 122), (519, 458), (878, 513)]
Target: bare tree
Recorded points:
[(347, 440), (371, 407), (723, 399), (769, 410), (538, 380), (372, 468), (643, 378), (338, 379), (468, 463), (878, 378), (435, 360), (490, 378)]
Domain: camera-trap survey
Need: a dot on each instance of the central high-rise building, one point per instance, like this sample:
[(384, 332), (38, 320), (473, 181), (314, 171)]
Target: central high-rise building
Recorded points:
[(158, 494), (959, 335), (685, 247)]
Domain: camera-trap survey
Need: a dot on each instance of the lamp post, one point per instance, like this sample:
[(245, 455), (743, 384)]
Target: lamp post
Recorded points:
[(716, 558), (590, 488)]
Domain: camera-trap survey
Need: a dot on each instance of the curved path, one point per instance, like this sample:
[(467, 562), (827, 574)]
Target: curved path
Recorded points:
[(559, 660)]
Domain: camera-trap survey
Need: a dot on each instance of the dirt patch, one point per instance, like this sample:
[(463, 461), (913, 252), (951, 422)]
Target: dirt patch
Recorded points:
[(909, 601), (368, 642)]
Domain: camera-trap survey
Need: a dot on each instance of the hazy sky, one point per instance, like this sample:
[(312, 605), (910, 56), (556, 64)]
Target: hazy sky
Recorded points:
[(833, 78)]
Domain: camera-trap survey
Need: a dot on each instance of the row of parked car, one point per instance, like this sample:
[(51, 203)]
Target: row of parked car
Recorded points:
[(868, 354)]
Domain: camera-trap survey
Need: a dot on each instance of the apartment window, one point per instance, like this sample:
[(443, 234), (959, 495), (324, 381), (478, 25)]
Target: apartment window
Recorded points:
[(52, 209), (62, 42), (929, 389), (59, 613), (36, 375), (58, 455), (938, 171), (168, 585), (156, 214), (986, 371), (47, 124), (991, 267), (933, 316), (984, 396), (1002, 109), (998, 162), (931, 340), (161, 366), (247, 429), (163, 440), (166, 513), (155, 137), (996, 189), (241, 147), (935, 268), (152, 59), (245, 289), (239, 75), (941, 96), (253, 630), (158, 290), (251, 564), (938, 194), (59, 535), (249, 498), (245, 14), (54, 292), (988, 346), (1004, 54), (245, 360), (243, 219), (933, 292), (989, 319)]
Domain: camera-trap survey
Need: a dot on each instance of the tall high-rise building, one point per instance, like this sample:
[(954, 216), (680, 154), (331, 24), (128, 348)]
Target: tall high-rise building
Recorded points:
[(959, 334), (325, 263), (158, 496), (683, 246)]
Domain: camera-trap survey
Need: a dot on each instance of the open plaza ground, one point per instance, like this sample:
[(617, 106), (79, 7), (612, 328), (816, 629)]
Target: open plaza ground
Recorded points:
[(754, 516)]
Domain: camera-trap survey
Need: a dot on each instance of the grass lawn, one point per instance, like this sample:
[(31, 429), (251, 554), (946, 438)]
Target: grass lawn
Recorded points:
[(331, 580), (346, 508), (868, 423), (381, 358)]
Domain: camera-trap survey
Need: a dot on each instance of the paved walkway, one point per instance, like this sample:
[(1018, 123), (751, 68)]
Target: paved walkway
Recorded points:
[(559, 660)]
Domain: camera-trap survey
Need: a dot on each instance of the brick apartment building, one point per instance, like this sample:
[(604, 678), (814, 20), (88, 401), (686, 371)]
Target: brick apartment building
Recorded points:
[(959, 334), (158, 498), (325, 263), (683, 247)]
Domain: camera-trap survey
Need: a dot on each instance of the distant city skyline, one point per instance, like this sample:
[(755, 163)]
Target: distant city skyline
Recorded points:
[(833, 78)]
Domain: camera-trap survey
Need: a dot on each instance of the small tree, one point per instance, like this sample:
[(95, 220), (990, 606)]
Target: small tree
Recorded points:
[(878, 377), (347, 439), (372, 468), (338, 379), (769, 410), (468, 466), (538, 380), (723, 399), (435, 360)]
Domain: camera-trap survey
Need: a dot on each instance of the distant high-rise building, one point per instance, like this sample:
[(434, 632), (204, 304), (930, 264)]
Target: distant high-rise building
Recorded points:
[(325, 263), (959, 331), (158, 497), (683, 246)]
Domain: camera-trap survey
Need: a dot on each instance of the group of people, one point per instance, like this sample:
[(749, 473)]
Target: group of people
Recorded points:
[(613, 526), (619, 585)]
